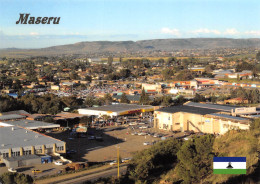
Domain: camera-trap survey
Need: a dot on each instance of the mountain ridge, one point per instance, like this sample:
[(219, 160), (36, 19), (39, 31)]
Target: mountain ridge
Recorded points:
[(139, 46)]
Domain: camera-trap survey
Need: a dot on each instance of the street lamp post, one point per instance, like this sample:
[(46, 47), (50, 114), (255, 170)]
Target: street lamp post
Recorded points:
[(118, 164)]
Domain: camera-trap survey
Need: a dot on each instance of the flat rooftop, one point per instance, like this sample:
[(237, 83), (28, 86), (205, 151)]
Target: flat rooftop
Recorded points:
[(67, 115), (188, 109), (120, 107), (22, 157), (31, 124), (229, 117), (11, 116), (226, 108), (16, 137)]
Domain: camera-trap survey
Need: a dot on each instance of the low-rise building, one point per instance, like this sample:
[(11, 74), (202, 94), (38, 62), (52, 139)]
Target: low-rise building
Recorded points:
[(16, 142), (116, 110), (197, 117)]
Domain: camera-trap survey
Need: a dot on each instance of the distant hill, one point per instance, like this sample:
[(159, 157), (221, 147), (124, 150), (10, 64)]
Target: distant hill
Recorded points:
[(131, 46)]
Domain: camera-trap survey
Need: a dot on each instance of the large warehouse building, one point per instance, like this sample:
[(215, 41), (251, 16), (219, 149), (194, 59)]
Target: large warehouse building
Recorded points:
[(20, 146), (197, 117), (116, 110)]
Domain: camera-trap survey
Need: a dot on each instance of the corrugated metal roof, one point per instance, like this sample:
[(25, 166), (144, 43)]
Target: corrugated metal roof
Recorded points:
[(15, 137), (11, 116), (188, 109), (229, 117), (211, 106), (119, 107), (31, 124)]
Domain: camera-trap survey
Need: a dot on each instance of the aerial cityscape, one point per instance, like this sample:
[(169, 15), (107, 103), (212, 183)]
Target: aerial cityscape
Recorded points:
[(129, 92)]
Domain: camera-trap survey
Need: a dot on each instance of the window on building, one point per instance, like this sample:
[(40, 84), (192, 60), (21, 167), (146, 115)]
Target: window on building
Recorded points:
[(38, 151), (14, 154), (27, 152), (60, 148), (5, 155)]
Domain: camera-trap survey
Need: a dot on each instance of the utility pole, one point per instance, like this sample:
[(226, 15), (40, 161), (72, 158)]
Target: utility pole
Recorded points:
[(118, 174)]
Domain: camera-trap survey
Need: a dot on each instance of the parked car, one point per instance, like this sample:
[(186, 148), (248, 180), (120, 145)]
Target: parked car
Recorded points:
[(146, 143), (143, 127), (99, 138), (134, 133), (125, 160), (12, 170), (71, 151), (35, 171), (58, 163), (113, 163), (142, 133), (91, 137), (133, 123), (157, 135)]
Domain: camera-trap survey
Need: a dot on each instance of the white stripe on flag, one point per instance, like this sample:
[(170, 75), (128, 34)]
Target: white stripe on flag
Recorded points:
[(223, 165)]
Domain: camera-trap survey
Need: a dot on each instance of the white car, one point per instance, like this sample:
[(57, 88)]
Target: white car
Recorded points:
[(125, 160), (113, 163), (146, 143), (12, 170), (142, 133), (58, 163), (133, 123)]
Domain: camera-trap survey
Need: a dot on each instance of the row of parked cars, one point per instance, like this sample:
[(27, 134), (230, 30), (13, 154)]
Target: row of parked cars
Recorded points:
[(124, 160), (158, 135), (35, 171)]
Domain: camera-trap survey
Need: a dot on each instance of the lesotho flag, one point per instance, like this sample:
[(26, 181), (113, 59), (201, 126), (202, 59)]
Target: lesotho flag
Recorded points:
[(229, 165)]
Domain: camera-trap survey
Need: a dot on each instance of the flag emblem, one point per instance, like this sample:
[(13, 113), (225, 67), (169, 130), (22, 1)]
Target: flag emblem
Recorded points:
[(229, 165)]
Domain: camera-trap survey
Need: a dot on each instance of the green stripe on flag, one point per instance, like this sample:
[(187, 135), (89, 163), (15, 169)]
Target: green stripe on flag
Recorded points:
[(229, 171)]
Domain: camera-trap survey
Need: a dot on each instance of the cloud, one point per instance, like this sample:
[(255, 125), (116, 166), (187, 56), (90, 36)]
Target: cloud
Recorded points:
[(206, 31), (166, 30), (253, 33), (231, 31), (34, 33)]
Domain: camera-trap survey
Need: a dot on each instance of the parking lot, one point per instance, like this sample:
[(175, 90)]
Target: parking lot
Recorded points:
[(101, 144)]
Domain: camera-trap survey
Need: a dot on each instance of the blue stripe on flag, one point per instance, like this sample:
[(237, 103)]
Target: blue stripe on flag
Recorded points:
[(229, 159)]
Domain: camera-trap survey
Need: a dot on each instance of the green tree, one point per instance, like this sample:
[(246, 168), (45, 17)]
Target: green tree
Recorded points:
[(124, 99), (29, 68), (144, 98), (255, 125), (167, 73), (185, 75), (195, 159), (74, 76), (110, 61), (244, 66), (152, 162), (170, 61), (88, 78), (16, 178), (167, 100), (258, 56), (199, 98), (108, 98), (125, 73), (89, 101)]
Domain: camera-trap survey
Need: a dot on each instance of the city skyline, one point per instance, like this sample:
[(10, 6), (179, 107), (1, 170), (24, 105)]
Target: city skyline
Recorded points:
[(114, 20)]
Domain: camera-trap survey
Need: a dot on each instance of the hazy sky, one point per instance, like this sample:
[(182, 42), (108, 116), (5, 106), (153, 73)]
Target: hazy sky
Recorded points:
[(91, 20)]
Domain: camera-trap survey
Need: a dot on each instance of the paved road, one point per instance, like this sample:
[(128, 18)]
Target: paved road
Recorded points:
[(93, 176)]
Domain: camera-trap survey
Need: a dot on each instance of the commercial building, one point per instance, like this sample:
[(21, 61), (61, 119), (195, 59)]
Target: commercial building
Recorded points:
[(18, 144), (30, 124), (116, 110), (12, 117), (197, 117)]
